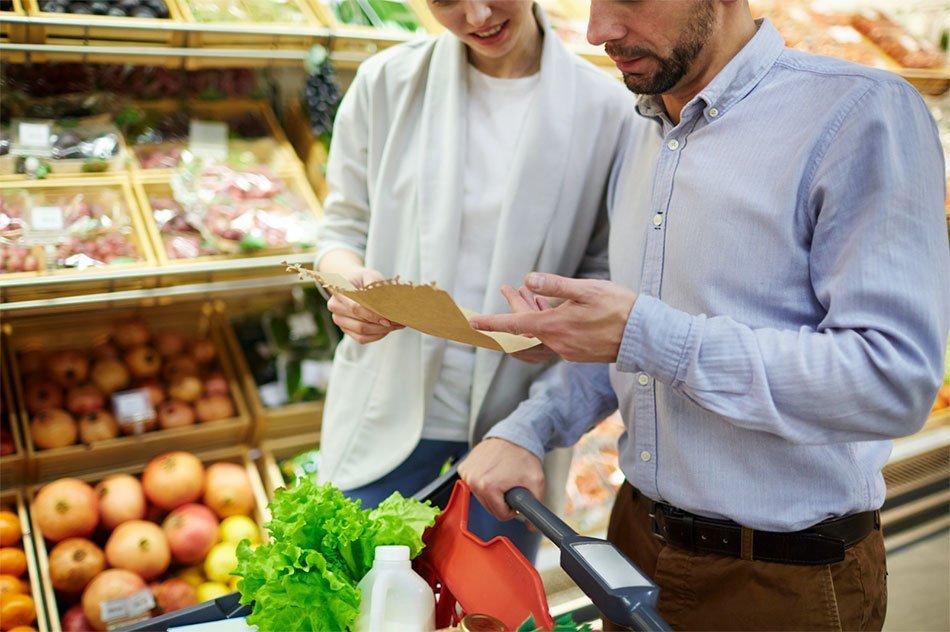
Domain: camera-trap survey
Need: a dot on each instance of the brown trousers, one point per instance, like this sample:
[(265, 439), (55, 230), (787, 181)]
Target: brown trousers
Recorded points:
[(701, 591)]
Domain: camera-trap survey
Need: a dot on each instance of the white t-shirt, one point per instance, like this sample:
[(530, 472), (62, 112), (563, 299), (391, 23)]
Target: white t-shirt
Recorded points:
[(496, 112)]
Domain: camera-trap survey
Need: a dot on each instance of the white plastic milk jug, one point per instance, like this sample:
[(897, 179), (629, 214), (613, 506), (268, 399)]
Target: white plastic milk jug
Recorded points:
[(394, 597)]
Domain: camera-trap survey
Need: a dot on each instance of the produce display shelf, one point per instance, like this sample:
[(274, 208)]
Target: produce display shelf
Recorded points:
[(129, 31), (15, 500), (13, 31), (60, 332), (275, 450), (237, 455)]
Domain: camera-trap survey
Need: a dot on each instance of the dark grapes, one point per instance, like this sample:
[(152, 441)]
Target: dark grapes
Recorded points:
[(115, 8), (321, 95)]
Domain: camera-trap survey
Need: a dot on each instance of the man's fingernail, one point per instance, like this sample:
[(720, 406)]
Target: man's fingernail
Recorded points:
[(535, 281), (385, 323)]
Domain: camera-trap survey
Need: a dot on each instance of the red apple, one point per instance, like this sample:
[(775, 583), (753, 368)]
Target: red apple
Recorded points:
[(86, 398), (175, 594)]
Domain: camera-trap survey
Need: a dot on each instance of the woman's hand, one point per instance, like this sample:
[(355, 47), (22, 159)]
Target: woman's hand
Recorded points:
[(522, 301), (361, 324)]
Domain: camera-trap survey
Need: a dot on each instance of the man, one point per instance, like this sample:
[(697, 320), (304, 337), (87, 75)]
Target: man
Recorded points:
[(778, 313)]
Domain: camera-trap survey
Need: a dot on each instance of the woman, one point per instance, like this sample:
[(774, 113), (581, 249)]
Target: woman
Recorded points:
[(468, 159)]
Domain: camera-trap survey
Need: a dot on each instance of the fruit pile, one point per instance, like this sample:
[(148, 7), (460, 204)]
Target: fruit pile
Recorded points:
[(270, 11), (114, 8), (17, 610), (174, 530), (96, 231), (67, 392)]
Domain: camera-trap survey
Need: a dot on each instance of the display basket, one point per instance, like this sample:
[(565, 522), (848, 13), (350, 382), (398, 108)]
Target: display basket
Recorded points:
[(14, 501), (492, 578)]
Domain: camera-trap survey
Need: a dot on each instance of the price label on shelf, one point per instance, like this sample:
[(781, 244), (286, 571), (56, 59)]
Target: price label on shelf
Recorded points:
[(34, 136), (133, 407), (47, 218), (208, 139), (125, 607), (302, 325)]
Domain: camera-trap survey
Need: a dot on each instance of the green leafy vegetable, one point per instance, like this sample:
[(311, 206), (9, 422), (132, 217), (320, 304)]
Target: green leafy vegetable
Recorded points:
[(562, 624), (322, 544)]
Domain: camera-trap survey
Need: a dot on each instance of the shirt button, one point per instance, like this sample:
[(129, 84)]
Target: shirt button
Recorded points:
[(645, 456), (644, 379), (713, 112), (673, 144), (657, 219)]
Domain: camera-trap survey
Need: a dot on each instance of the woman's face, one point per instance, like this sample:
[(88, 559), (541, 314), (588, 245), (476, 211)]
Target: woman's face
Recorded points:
[(492, 29)]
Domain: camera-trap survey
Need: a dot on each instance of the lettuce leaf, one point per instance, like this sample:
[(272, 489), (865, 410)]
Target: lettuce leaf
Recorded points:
[(322, 544)]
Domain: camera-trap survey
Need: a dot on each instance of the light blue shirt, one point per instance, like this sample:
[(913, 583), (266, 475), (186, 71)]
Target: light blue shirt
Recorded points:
[(788, 243)]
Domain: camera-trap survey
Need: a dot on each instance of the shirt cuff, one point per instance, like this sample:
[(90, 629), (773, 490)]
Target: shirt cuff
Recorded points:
[(520, 430), (655, 340)]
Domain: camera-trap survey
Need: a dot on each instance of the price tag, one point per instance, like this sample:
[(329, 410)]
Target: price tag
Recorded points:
[(302, 325), (315, 373), (273, 394), (47, 218), (125, 607), (208, 139), (34, 135), (133, 407)]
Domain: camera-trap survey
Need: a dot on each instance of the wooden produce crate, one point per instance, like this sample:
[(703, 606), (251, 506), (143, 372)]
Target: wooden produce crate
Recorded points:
[(295, 183), (275, 450), (104, 30), (14, 501), (78, 330), (100, 190), (269, 423), (71, 168), (248, 40), (360, 41), (13, 33), (274, 150), (311, 149), (56, 603), (12, 466)]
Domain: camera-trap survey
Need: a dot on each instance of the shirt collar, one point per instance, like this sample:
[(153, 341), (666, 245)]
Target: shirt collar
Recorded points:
[(737, 79)]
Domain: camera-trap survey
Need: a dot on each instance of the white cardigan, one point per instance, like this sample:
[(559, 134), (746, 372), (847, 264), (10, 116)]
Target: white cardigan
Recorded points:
[(395, 178)]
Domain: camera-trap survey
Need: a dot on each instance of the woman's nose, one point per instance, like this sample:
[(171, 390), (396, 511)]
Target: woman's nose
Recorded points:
[(477, 12)]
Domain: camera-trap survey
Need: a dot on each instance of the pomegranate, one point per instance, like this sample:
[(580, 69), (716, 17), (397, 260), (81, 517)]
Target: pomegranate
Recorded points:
[(68, 368), (86, 398), (42, 395), (53, 428), (214, 408), (109, 584), (66, 508), (175, 594), (187, 388), (131, 333), (110, 376), (175, 414), (216, 384), (203, 351), (120, 499), (170, 344), (75, 620), (140, 547), (179, 367), (173, 479), (73, 563), (143, 362), (191, 530), (228, 490), (155, 390), (97, 426)]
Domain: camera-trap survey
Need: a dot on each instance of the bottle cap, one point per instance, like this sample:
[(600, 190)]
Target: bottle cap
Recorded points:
[(392, 553)]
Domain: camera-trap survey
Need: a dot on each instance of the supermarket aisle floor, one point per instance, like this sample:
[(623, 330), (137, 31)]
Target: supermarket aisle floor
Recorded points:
[(918, 586)]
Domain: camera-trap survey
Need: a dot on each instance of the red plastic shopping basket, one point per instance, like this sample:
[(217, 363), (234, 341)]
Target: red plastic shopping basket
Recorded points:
[(471, 576)]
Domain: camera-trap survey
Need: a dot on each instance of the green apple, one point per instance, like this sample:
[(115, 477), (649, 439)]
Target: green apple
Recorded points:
[(211, 590), (221, 560), (237, 528)]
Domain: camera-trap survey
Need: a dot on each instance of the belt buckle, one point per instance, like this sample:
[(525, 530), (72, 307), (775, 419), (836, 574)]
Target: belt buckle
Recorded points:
[(655, 525)]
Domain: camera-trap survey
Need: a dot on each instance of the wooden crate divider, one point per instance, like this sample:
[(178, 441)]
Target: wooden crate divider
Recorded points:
[(274, 450), (17, 503)]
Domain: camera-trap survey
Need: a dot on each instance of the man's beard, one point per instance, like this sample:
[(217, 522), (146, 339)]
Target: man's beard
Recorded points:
[(672, 68)]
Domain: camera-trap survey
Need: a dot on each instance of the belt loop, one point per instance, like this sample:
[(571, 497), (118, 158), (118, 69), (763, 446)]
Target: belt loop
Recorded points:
[(745, 546)]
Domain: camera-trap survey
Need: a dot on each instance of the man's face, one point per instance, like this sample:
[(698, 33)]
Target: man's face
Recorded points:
[(653, 42)]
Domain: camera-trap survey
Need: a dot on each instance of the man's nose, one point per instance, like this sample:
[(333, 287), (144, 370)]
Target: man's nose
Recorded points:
[(603, 26)]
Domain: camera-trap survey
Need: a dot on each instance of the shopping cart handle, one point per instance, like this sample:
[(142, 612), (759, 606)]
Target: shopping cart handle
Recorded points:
[(225, 607), (622, 592)]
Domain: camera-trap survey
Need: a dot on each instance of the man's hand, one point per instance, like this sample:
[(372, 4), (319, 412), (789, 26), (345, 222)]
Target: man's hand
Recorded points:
[(361, 324), (493, 467), (587, 327), (522, 301)]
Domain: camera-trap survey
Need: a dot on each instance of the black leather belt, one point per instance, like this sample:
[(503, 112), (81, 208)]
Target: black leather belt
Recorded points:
[(823, 543)]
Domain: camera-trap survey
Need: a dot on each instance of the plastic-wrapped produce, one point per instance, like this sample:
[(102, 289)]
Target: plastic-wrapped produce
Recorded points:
[(393, 14), (84, 145)]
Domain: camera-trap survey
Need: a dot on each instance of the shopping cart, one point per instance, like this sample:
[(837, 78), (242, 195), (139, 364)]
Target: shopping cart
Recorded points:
[(471, 576)]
